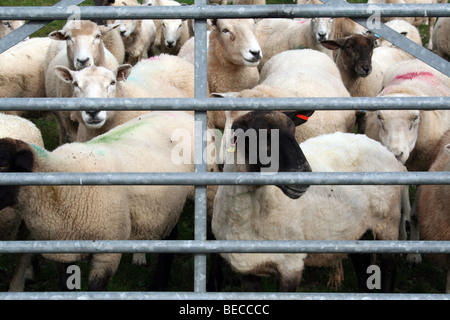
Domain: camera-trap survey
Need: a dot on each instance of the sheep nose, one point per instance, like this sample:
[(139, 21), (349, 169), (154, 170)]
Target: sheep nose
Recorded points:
[(398, 155), (83, 61), (122, 32), (322, 35), (170, 44), (256, 53), (92, 114)]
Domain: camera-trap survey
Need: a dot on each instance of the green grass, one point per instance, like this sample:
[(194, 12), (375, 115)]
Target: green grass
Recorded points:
[(423, 278)]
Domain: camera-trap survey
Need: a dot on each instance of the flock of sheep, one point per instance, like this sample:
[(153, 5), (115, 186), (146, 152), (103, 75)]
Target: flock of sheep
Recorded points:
[(318, 57)]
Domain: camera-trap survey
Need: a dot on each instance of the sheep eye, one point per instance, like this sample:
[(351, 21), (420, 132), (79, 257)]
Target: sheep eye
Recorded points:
[(98, 36), (113, 83), (8, 24), (225, 31), (75, 84)]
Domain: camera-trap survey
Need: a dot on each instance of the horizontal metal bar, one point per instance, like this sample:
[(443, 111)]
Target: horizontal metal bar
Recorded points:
[(229, 246), (235, 11), (227, 297), (204, 104), (225, 178)]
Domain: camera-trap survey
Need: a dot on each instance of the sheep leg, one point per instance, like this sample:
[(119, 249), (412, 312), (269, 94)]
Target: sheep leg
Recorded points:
[(163, 265), (17, 283), (388, 268), (103, 267), (361, 262), (215, 278)]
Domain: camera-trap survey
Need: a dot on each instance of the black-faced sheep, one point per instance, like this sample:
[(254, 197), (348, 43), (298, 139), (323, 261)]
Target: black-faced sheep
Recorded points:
[(299, 212)]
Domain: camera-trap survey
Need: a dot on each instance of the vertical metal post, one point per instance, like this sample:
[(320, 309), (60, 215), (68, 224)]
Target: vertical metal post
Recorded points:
[(200, 146)]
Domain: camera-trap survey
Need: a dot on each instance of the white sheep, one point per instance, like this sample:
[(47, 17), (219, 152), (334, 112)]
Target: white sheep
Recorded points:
[(10, 219), (440, 37), (103, 212), (433, 202), (23, 72), (302, 73), (277, 35), (385, 57), (411, 135), (249, 2), (302, 212), (84, 47), (405, 28), (233, 54), (171, 34), (138, 37), (151, 78)]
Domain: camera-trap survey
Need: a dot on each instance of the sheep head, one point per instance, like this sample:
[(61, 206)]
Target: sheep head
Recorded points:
[(94, 82), (15, 156), (238, 40), (84, 42), (323, 28), (355, 53), (398, 131), (265, 142)]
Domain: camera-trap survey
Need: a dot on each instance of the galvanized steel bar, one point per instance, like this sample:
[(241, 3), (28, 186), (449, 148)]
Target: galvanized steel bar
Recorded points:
[(200, 226), (224, 12), (222, 246), (227, 297), (204, 104), (225, 178), (31, 27)]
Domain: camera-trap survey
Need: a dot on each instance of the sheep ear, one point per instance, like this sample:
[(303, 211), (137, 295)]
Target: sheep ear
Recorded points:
[(23, 161), (299, 117), (123, 71), (213, 23), (57, 35), (64, 74), (108, 28), (333, 44)]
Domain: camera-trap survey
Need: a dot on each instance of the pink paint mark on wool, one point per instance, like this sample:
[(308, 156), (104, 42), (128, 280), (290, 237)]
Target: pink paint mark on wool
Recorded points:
[(413, 75), (302, 21), (155, 58)]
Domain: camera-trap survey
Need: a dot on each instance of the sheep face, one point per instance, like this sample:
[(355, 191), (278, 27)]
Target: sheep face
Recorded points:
[(265, 142), (171, 29), (355, 53), (15, 156), (398, 131), (127, 27), (238, 40), (7, 26), (84, 42), (94, 82), (322, 28)]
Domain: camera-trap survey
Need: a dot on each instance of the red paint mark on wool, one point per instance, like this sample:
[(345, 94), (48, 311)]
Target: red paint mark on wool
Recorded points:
[(412, 75), (302, 117)]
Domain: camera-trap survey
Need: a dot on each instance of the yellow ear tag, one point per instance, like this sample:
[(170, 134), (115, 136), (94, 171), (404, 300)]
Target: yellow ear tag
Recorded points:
[(232, 148)]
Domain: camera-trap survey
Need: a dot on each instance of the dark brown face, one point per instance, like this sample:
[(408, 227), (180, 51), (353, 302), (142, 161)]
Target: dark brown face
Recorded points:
[(356, 52), (268, 141), (14, 157)]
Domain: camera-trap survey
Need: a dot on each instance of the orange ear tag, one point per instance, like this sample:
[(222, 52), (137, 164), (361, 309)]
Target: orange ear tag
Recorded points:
[(302, 117)]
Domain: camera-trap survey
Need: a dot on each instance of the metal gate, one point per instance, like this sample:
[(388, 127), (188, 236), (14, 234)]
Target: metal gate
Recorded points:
[(200, 247)]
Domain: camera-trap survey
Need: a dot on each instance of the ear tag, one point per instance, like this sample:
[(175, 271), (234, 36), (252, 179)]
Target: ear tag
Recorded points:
[(232, 147), (302, 117)]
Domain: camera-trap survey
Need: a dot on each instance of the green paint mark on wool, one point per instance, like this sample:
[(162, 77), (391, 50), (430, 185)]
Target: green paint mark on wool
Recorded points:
[(116, 135), (41, 152)]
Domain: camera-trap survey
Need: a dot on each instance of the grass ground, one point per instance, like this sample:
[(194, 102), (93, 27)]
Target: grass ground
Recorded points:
[(423, 278)]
